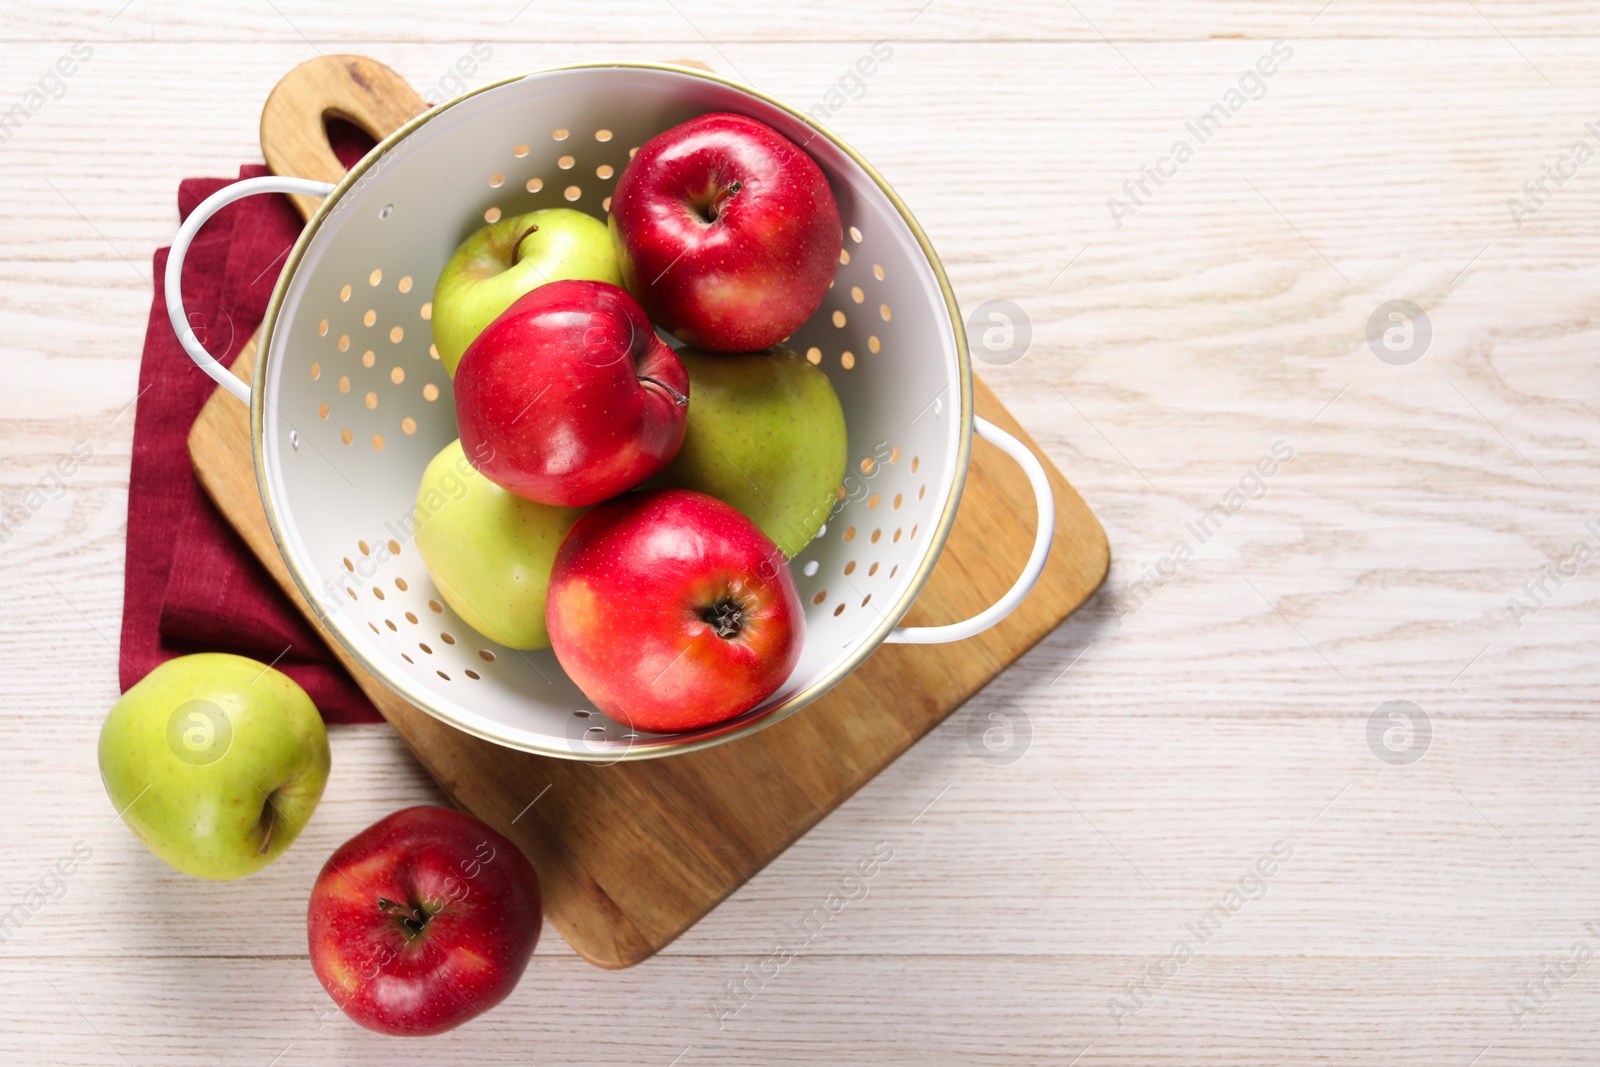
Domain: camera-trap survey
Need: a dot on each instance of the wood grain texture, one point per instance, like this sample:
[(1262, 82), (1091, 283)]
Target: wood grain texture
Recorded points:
[(356, 89), (697, 21), (1188, 736)]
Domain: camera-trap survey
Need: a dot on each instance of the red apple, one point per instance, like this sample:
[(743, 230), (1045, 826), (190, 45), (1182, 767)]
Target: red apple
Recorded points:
[(422, 921), (672, 611), (726, 232), (569, 397)]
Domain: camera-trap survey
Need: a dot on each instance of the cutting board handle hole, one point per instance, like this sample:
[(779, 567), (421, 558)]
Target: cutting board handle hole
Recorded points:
[(348, 141)]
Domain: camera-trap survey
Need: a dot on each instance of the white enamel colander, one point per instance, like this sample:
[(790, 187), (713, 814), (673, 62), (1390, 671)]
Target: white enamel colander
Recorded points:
[(349, 402)]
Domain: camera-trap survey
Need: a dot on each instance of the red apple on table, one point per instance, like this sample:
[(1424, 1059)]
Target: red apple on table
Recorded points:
[(726, 231), (672, 611), (569, 397), (422, 921)]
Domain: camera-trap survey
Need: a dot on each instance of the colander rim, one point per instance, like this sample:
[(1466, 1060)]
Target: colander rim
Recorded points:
[(654, 746)]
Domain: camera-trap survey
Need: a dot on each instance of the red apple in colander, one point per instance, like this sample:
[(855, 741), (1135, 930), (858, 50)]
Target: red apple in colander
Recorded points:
[(726, 231), (569, 397), (672, 611)]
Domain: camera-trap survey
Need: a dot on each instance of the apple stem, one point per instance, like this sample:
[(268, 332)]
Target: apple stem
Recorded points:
[(677, 397), (728, 193), (269, 818), (516, 246)]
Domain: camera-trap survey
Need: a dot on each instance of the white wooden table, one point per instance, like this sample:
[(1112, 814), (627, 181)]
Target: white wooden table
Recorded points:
[(1178, 731)]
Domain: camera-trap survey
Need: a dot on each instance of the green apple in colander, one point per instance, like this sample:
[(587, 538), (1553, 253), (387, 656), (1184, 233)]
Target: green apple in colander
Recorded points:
[(488, 550), (510, 257), (766, 435)]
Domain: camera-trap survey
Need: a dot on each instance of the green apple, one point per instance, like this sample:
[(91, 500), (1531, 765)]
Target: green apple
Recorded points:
[(508, 258), (488, 550), (215, 762), (766, 435)]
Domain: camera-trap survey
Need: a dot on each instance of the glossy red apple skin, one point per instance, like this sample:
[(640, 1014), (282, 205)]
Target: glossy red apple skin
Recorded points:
[(482, 900), (630, 594), (749, 277), (569, 397)]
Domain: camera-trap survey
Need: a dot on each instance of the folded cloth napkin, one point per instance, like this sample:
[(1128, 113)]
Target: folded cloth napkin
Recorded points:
[(191, 584)]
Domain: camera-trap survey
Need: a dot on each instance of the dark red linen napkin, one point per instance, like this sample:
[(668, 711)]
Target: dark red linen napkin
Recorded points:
[(191, 583)]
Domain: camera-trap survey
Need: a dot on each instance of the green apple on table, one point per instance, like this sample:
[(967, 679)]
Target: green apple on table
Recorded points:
[(488, 550), (508, 258), (766, 435), (215, 762)]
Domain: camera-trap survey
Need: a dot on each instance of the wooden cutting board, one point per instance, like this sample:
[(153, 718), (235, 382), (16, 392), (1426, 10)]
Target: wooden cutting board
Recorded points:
[(631, 855)]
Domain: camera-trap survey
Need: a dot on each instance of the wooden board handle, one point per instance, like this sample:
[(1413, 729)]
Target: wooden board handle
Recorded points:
[(359, 90)]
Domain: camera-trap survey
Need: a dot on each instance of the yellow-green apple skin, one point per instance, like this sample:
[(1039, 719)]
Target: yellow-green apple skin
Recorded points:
[(766, 435), (489, 551), (508, 258), (215, 762)]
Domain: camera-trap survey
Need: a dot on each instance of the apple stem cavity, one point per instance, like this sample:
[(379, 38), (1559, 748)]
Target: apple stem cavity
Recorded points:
[(728, 192), (725, 617), (516, 245), (410, 919), (677, 397)]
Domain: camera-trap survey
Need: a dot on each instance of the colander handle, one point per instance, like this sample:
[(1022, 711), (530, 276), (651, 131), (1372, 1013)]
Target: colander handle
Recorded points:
[(1045, 502), (180, 249)]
